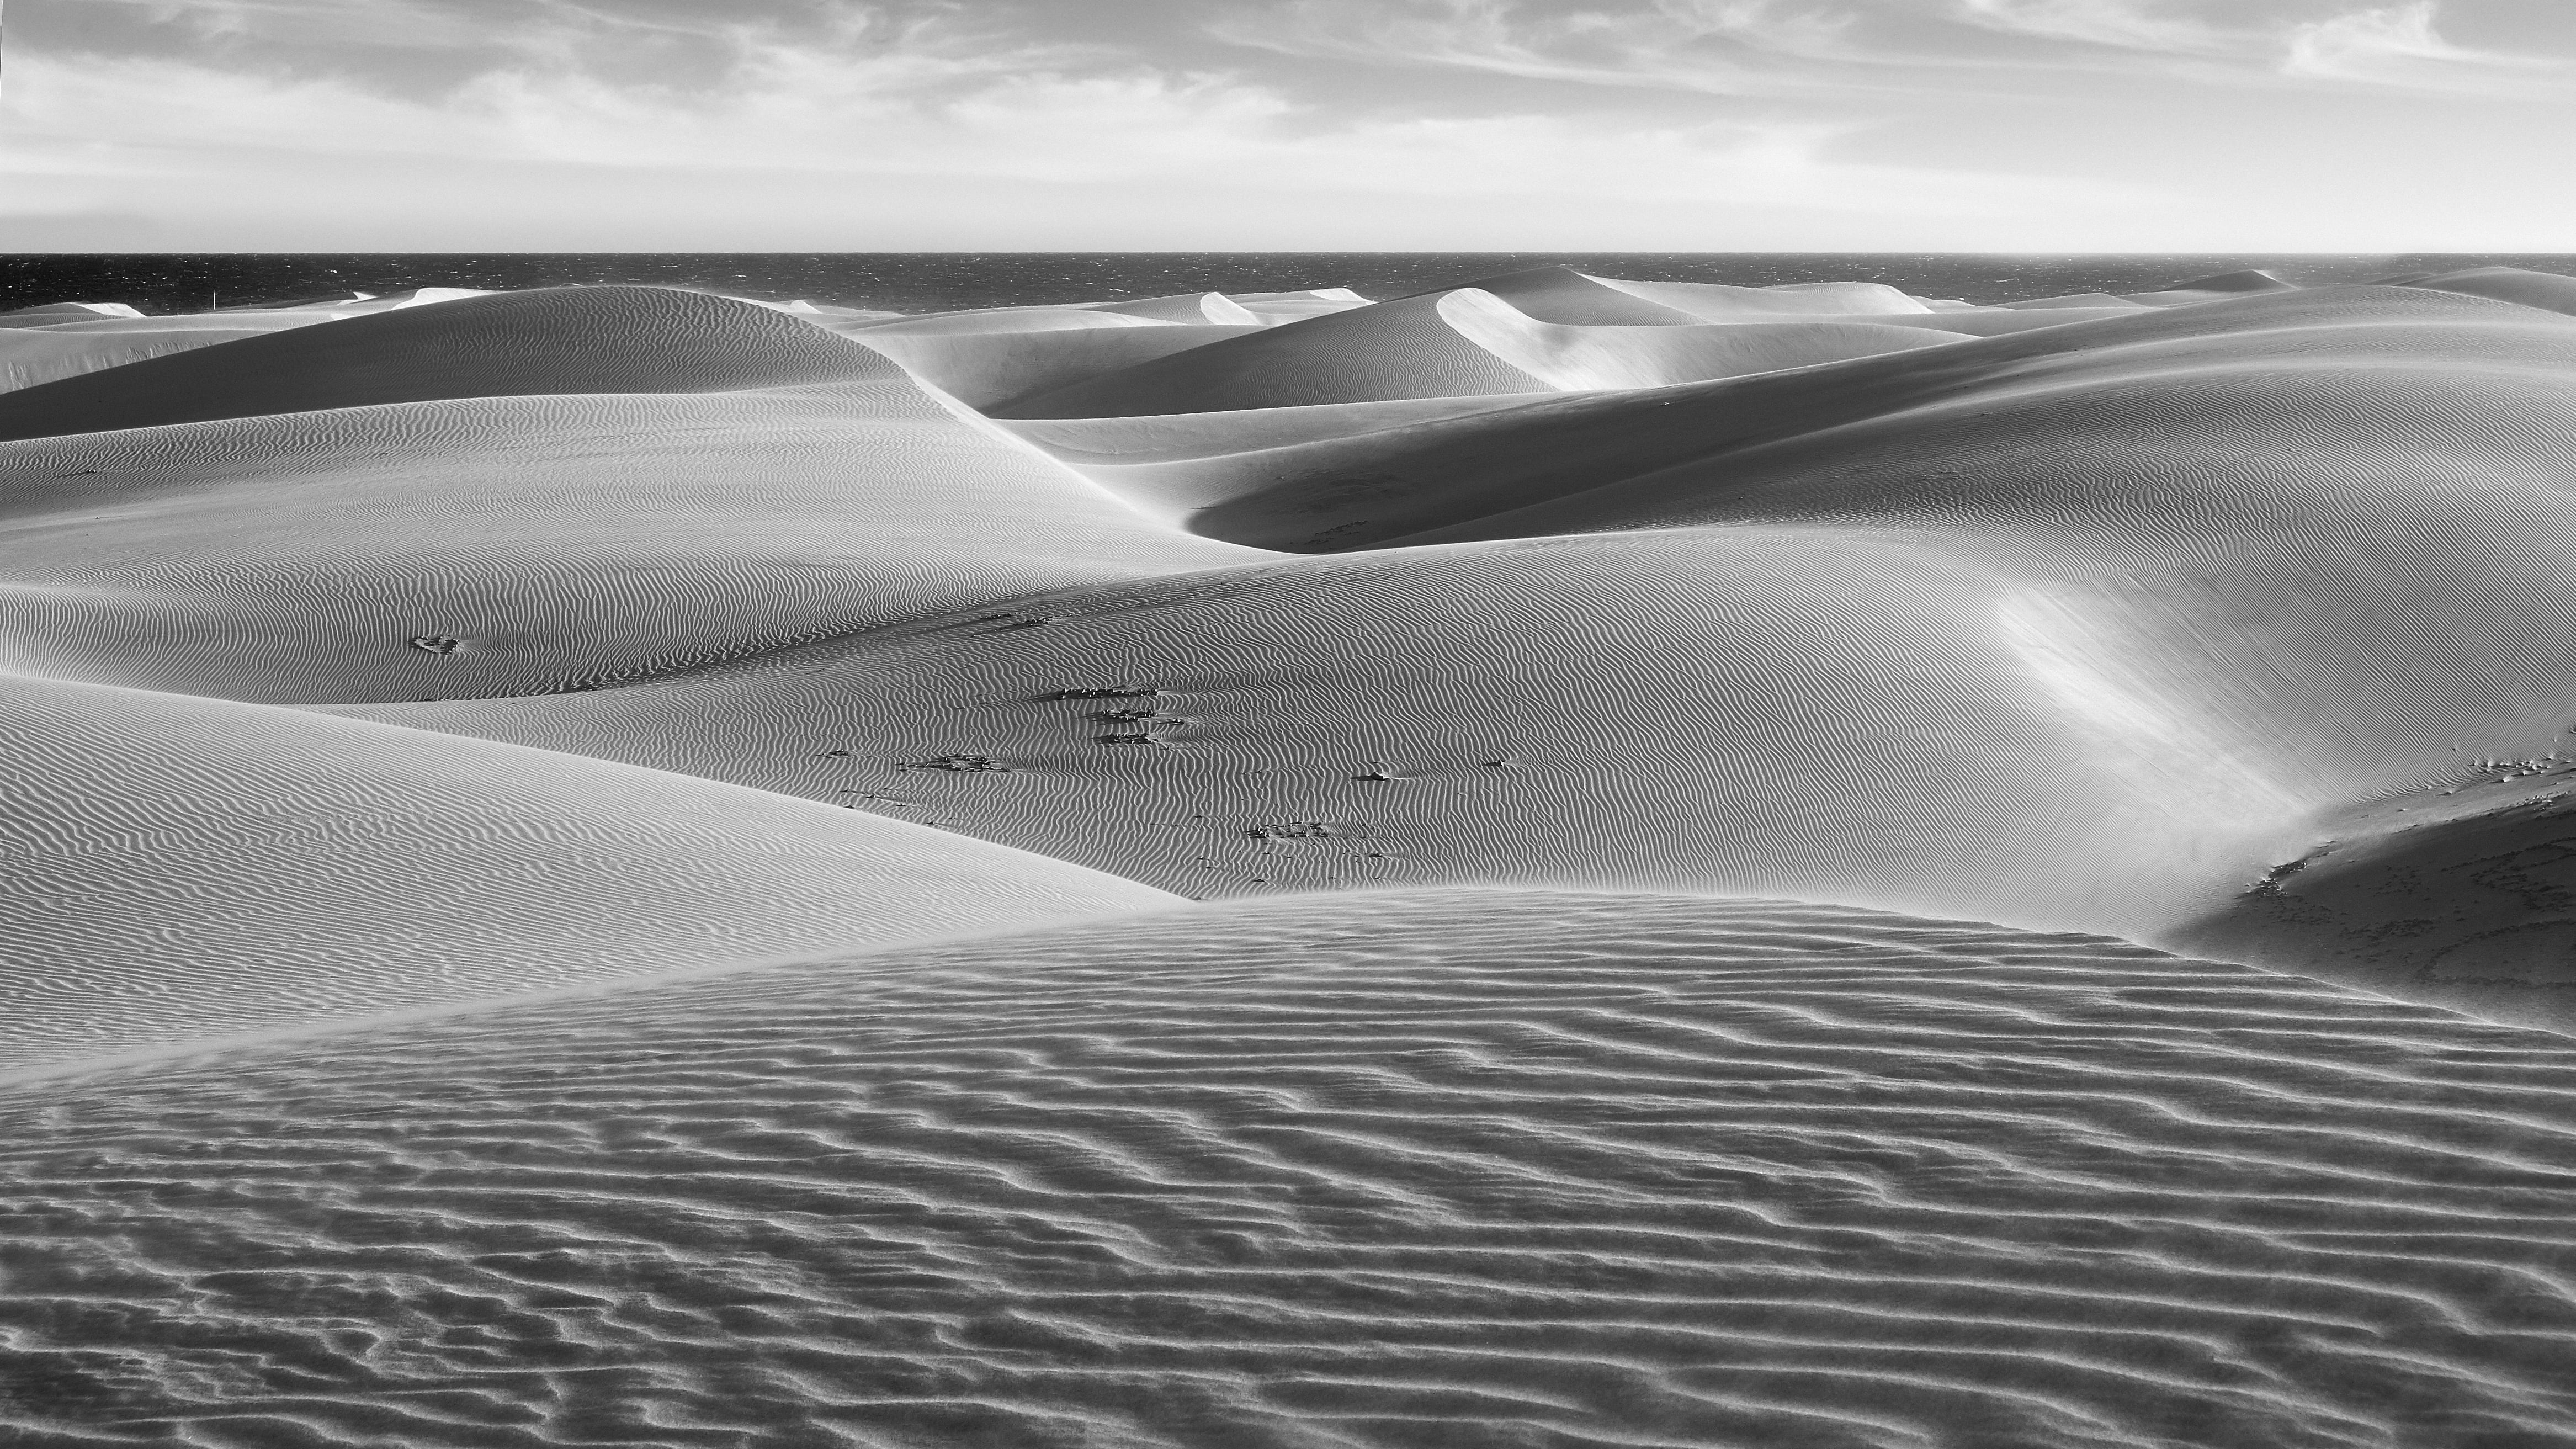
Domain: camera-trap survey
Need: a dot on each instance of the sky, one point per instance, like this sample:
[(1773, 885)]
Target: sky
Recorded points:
[(1287, 125)]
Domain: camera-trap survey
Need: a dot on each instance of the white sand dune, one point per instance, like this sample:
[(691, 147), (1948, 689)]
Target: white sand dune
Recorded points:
[(1186, 307), (55, 313), (623, 1051), (1459, 1168), (1595, 358), (1297, 306), (1565, 297), (190, 868), (1713, 302)]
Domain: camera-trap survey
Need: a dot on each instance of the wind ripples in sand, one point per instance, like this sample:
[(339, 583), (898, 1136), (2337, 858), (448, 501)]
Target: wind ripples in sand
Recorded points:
[(1446, 1167)]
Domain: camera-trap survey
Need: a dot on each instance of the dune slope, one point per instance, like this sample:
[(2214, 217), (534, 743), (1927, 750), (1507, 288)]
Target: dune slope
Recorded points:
[(189, 868), (1754, 710), (1448, 1168)]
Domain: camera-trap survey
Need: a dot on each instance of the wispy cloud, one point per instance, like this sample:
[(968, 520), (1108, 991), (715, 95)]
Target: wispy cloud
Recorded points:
[(1723, 47), (2398, 46), (2123, 24), (1782, 49)]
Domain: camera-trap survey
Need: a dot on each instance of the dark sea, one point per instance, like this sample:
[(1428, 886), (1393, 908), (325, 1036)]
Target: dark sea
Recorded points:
[(942, 281)]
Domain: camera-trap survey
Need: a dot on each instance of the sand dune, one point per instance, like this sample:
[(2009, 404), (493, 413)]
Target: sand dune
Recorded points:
[(1565, 297), (1444, 1168), (993, 369), (563, 340), (1713, 302), (2462, 892), (1581, 359), (55, 313), (1415, 347), (514, 798), (2095, 403), (2508, 284), (1400, 349), (1695, 710), (994, 320), (2212, 288), (39, 353), (1296, 306), (1186, 307), (497, 545), (191, 868)]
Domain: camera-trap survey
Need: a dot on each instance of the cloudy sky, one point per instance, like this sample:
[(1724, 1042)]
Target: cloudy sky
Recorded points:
[(1698, 125)]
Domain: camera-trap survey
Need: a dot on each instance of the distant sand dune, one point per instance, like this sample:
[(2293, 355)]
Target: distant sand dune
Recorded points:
[(2508, 284), (1457, 1168), (992, 369), (1581, 359), (561, 340), (550, 541), (33, 354), (1402, 349)]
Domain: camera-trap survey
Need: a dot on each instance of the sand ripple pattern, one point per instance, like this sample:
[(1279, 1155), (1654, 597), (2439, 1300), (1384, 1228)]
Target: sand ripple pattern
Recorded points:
[(1438, 1168)]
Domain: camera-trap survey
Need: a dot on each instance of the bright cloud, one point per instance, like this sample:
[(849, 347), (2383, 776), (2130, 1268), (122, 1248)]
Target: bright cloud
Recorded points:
[(2398, 46)]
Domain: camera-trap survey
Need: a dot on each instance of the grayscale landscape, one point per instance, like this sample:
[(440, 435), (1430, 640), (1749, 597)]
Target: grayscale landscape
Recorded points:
[(1966, 848)]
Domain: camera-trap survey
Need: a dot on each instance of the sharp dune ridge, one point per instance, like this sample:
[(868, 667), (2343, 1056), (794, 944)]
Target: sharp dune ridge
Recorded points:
[(626, 864)]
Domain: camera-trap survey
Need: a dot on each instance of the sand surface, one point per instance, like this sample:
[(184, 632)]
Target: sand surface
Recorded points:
[(1449, 1168), (628, 865)]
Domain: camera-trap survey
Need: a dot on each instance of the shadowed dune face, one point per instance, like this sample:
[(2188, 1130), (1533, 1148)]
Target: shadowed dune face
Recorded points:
[(190, 868), (1438, 1168), (2462, 893), (57, 347), (2236, 394)]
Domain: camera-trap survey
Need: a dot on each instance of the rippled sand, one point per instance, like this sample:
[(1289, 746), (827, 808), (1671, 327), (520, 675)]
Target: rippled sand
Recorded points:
[(1448, 1167), (626, 866)]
